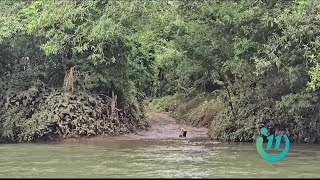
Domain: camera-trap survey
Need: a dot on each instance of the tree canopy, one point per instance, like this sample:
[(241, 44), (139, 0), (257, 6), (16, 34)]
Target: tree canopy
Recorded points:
[(261, 57)]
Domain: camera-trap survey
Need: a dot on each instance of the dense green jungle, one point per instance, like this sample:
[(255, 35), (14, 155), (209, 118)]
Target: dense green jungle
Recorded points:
[(73, 69)]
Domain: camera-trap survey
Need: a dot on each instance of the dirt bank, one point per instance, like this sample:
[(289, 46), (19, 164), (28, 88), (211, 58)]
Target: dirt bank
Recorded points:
[(162, 126)]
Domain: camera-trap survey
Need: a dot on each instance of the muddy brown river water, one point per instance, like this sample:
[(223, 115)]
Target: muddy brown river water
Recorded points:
[(153, 159)]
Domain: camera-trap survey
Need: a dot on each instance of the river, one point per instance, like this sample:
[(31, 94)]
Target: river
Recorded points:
[(153, 159)]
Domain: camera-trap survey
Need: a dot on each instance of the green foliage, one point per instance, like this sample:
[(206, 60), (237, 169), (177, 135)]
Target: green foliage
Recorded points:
[(41, 114), (162, 104), (260, 57), (264, 55), (198, 110)]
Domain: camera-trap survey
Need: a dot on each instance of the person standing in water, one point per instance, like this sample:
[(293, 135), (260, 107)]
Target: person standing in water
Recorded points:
[(183, 132)]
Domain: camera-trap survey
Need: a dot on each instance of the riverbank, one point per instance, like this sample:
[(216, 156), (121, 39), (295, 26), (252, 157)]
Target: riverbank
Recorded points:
[(241, 121), (161, 126), (198, 111)]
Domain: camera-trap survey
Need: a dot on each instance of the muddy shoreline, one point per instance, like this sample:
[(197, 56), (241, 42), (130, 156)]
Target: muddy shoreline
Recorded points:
[(162, 127)]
